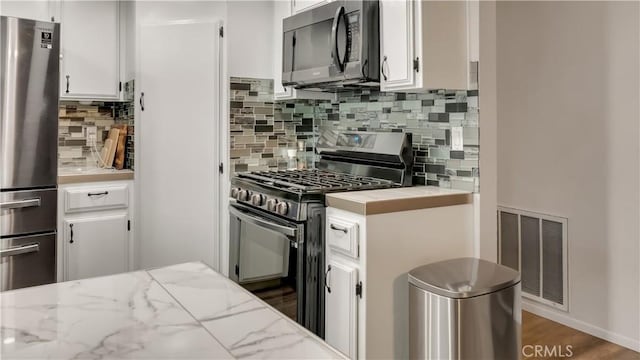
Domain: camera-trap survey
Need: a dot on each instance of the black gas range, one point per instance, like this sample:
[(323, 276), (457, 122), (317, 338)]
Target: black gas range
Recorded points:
[(277, 218)]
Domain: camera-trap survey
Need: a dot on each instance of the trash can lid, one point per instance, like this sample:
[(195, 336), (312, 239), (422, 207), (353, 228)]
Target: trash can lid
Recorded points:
[(463, 277)]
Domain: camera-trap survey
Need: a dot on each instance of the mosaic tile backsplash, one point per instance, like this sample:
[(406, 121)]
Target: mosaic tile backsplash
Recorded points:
[(265, 133), (74, 149), (261, 136), (431, 117)]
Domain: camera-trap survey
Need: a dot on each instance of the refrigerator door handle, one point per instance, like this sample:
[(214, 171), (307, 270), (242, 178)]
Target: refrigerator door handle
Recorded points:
[(20, 250), (20, 204)]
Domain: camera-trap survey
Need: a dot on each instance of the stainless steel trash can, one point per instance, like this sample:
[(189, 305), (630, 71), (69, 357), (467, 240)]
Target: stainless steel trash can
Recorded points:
[(464, 308)]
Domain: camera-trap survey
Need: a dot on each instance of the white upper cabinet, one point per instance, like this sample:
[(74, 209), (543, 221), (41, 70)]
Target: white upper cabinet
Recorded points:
[(35, 10), (90, 50), (302, 5), (397, 45), (282, 9), (424, 45)]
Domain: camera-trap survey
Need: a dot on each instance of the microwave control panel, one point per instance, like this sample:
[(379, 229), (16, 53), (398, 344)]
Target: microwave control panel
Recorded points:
[(353, 35)]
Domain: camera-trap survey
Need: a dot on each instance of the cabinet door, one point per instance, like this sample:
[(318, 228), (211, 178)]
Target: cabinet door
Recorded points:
[(282, 9), (302, 5), (397, 45), (341, 308), (35, 10), (96, 246), (90, 50)]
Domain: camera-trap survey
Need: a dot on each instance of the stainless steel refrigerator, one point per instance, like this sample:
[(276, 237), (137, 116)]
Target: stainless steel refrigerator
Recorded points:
[(29, 67)]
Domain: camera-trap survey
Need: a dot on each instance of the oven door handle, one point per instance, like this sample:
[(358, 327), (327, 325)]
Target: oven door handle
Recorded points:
[(243, 216)]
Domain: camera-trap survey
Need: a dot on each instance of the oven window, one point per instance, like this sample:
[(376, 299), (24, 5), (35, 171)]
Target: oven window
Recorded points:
[(264, 254), (267, 266)]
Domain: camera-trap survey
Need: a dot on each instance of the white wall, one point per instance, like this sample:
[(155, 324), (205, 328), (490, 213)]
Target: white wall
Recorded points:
[(568, 145), (485, 203), (250, 38)]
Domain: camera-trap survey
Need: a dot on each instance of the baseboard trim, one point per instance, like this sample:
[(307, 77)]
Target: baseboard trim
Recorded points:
[(566, 320)]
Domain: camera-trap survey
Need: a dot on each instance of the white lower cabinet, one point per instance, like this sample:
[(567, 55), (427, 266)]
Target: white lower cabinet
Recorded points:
[(341, 304), (96, 246), (94, 229), (367, 261)]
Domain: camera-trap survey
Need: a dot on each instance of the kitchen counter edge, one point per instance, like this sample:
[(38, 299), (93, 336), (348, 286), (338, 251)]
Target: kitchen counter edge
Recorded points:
[(76, 178), (384, 201)]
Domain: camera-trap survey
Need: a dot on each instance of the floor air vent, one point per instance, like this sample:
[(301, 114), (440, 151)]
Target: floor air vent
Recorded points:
[(536, 245)]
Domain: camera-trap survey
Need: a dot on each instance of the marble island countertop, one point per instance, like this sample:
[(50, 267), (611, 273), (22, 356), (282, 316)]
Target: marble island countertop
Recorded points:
[(372, 202), (185, 311)]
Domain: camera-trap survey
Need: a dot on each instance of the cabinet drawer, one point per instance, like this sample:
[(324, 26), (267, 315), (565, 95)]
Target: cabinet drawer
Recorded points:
[(96, 198), (342, 236)]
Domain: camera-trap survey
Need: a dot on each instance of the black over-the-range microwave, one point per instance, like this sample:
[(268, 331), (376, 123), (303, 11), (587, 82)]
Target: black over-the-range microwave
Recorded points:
[(331, 47)]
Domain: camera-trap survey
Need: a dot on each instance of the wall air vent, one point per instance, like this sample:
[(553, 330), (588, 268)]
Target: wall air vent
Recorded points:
[(536, 245)]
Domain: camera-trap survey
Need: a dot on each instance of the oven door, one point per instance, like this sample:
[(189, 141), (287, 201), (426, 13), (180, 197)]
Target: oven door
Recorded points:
[(266, 256), (323, 44)]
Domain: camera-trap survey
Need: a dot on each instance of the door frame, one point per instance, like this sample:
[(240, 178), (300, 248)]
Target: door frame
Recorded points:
[(224, 183)]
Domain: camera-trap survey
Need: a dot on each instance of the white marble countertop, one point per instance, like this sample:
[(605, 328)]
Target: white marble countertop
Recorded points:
[(371, 202), (186, 311)]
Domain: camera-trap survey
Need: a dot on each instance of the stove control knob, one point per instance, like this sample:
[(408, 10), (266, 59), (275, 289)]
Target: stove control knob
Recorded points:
[(234, 192), (282, 208), (243, 195), (257, 199), (271, 204)]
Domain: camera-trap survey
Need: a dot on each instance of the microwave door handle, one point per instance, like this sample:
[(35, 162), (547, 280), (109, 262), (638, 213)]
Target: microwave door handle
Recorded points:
[(243, 216), (293, 57), (334, 39)]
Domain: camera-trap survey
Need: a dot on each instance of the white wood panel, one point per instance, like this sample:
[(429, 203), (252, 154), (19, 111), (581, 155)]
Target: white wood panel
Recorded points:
[(341, 303), (302, 5), (96, 198), (178, 143), (342, 236), (396, 44), (282, 9), (100, 246), (90, 49)]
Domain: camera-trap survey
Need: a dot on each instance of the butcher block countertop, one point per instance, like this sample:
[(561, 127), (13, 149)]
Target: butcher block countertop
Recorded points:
[(185, 311), (69, 175), (372, 202)]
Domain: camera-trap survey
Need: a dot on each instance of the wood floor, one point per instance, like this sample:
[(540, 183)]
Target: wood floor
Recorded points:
[(282, 298), (540, 331), (546, 334)]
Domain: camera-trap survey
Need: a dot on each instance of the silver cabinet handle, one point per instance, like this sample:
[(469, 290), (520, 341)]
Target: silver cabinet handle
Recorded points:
[(20, 250), (67, 83), (243, 216), (339, 228), (20, 204), (326, 276), (384, 61), (98, 193)]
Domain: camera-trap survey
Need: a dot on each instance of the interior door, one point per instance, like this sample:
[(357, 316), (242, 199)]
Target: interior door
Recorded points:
[(96, 246), (341, 308), (177, 173)]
